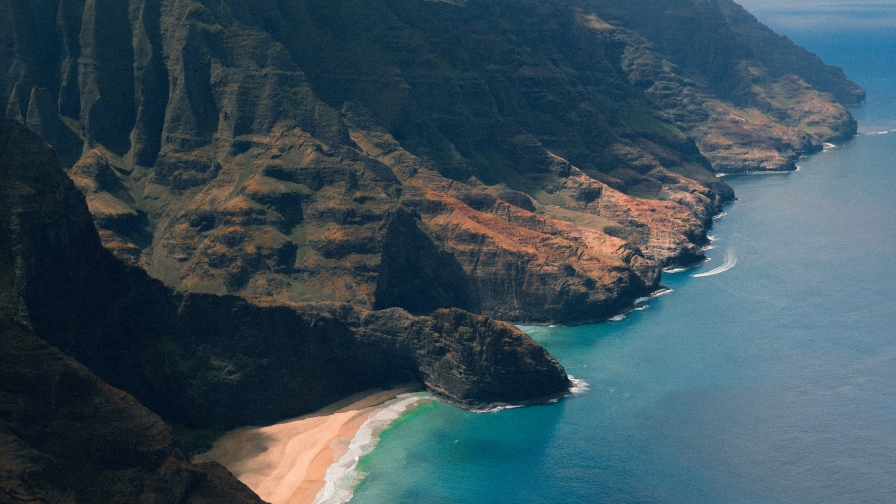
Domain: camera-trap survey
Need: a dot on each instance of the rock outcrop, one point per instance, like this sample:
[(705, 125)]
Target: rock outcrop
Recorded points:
[(211, 361), (67, 437), (752, 100), (308, 198), (546, 162)]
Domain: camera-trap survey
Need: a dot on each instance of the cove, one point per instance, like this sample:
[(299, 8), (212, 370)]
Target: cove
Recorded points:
[(770, 381)]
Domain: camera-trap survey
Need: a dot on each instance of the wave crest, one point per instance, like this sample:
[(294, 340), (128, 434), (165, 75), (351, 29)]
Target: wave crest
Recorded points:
[(730, 262), (343, 477)]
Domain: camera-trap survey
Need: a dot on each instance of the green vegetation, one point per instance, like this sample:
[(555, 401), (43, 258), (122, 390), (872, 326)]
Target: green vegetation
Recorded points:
[(645, 121), (195, 441)]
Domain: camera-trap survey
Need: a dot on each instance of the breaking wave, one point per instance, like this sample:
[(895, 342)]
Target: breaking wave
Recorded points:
[(730, 262), (343, 476), (579, 386), (502, 407), (661, 292)]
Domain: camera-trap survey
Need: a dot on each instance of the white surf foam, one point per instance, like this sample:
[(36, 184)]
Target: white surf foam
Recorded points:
[(502, 407), (661, 292), (579, 386), (769, 172), (719, 216), (618, 318), (343, 476), (730, 262)]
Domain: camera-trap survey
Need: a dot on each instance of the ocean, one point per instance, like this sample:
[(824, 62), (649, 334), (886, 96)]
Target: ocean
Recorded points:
[(767, 375)]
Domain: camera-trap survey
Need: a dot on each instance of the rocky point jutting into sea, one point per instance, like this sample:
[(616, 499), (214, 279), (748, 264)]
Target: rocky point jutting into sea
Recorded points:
[(293, 201)]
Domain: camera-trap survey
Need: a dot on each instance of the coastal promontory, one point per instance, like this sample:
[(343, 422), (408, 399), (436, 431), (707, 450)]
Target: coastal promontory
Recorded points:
[(238, 212)]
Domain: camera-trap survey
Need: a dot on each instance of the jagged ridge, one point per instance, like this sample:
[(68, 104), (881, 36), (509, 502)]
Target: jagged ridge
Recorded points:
[(341, 162), (220, 361), (260, 151)]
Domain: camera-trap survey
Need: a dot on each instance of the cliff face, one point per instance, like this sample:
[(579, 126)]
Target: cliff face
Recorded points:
[(752, 100), (307, 198), (65, 435), (546, 161), (205, 360)]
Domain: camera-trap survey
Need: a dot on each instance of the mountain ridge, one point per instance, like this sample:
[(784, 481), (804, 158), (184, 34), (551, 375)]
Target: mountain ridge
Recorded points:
[(287, 130), (292, 189)]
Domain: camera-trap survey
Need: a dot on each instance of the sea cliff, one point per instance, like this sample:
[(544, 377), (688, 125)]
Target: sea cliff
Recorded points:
[(292, 201), (545, 159)]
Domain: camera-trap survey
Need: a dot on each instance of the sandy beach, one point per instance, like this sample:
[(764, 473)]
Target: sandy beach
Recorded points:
[(287, 463)]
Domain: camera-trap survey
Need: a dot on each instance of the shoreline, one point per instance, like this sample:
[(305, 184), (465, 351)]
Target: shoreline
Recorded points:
[(290, 462)]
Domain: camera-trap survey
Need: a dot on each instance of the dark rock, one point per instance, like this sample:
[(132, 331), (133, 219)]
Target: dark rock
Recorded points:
[(415, 274), (69, 437), (204, 360)]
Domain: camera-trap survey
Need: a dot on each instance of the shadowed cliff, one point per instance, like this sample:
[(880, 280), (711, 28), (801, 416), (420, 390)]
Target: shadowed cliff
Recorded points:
[(308, 198), (65, 435), (546, 158), (260, 151), (205, 360)]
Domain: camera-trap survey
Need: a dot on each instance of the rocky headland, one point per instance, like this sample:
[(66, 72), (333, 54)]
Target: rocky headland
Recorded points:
[(201, 360), (293, 201)]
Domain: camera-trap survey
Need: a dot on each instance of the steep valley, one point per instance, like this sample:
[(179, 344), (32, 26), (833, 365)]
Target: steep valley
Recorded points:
[(271, 205)]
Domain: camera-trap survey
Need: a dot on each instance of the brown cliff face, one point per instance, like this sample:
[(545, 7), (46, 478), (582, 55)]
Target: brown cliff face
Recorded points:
[(517, 158), (752, 101), (258, 152), (307, 187), (288, 133), (205, 360)]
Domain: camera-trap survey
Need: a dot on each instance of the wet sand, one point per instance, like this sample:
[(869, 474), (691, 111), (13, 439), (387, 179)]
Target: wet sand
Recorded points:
[(287, 463)]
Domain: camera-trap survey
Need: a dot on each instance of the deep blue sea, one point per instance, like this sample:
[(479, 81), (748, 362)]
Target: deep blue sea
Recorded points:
[(773, 381)]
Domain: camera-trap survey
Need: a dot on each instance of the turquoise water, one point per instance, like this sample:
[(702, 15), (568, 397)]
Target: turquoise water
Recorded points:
[(771, 382)]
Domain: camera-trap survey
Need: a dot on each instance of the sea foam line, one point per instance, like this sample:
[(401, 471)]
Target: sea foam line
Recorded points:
[(579, 386), (343, 476), (730, 262), (661, 292)]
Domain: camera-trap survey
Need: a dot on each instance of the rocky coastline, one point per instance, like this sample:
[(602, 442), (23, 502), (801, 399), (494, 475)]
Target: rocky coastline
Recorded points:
[(242, 213)]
